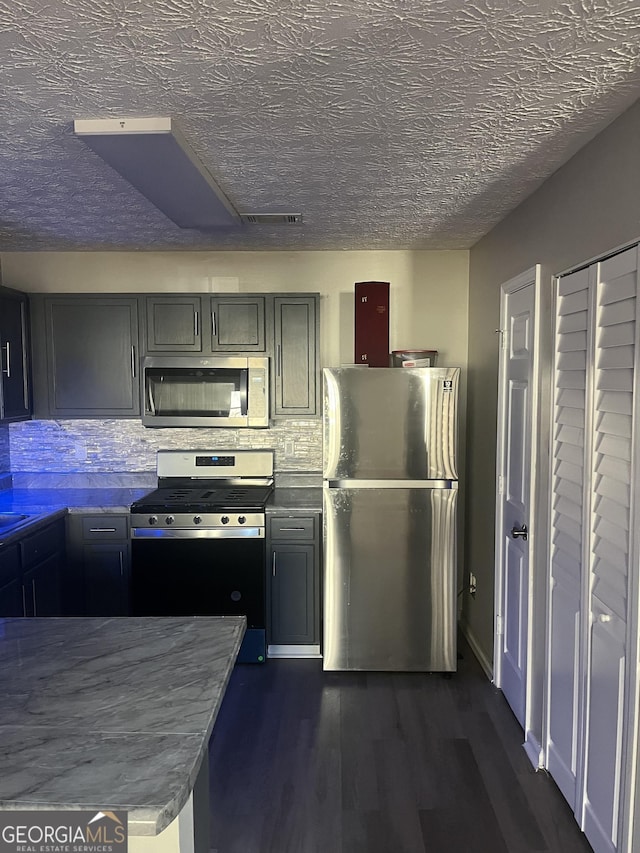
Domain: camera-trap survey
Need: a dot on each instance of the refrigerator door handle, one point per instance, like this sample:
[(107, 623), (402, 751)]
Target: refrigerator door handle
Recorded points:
[(391, 484)]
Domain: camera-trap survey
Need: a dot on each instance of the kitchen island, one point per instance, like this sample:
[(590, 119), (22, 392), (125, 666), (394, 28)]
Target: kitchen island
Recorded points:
[(115, 714)]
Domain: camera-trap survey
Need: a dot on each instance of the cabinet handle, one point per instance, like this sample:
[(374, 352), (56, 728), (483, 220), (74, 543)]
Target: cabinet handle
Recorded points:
[(279, 359), (213, 323), (24, 602), (133, 362), (33, 595), (287, 529), (121, 565), (273, 564), (196, 324), (102, 530), (7, 370)]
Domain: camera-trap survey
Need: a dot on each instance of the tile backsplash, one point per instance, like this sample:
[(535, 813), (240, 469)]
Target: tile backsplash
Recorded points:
[(115, 446), (4, 456)]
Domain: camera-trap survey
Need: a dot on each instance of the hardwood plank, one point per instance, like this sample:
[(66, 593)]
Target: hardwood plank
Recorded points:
[(304, 761)]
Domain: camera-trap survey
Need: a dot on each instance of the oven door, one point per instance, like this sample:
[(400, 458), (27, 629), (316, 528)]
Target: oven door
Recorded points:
[(199, 573)]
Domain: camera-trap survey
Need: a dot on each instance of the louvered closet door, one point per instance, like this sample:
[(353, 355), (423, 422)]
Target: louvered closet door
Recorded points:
[(572, 332), (593, 541), (610, 545)]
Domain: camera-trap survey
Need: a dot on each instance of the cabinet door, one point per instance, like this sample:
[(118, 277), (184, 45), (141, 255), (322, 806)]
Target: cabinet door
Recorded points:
[(237, 324), (295, 389), (173, 324), (41, 585), (92, 357), (11, 603), (294, 595), (14, 396), (106, 577)]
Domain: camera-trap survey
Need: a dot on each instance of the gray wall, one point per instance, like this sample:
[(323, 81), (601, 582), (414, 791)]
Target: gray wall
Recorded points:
[(587, 208)]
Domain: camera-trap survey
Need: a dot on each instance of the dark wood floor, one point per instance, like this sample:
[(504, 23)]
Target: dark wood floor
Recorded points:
[(304, 761)]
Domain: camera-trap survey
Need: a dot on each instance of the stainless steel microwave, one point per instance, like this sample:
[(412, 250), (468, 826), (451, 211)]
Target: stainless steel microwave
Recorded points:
[(215, 391)]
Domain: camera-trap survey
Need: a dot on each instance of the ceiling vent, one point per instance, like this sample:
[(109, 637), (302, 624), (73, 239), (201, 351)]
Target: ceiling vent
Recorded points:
[(153, 156), (271, 218)]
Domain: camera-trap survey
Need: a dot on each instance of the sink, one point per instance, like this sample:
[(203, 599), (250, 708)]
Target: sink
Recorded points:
[(12, 519)]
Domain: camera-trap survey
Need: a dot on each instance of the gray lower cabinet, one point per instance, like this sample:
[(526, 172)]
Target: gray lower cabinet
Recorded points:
[(30, 573), (99, 554), (293, 584), (88, 367), (295, 374), (10, 582), (15, 398)]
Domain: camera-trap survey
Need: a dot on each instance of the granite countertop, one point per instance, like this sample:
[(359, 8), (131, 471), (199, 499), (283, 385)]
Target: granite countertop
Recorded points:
[(46, 504), (110, 713), (118, 500), (74, 500)]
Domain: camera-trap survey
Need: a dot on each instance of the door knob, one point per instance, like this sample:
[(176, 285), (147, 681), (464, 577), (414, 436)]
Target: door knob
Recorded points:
[(520, 532)]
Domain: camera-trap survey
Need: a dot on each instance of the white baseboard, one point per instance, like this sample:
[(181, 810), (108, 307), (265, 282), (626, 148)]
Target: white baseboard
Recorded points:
[(286, 651), (534, 750), (483, 660)]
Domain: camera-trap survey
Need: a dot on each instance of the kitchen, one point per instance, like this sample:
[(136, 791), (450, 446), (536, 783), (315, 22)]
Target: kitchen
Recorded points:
[(561, 225)]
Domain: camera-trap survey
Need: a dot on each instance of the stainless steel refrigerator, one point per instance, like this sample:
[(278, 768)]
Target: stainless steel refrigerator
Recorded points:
[(390, 492)]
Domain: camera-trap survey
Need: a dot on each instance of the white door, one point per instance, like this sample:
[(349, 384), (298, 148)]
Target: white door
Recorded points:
[(610, 546), (516, 405), (592, 734), (567, 523)]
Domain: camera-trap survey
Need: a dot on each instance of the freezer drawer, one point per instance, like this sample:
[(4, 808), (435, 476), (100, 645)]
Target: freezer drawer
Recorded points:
[(390, 579)]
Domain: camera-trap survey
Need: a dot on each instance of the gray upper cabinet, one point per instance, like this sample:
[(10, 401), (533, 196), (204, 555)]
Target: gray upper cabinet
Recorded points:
[(295, 382), (173, 324), (85, 347), (15, 404), (238, 324), (90, 362)]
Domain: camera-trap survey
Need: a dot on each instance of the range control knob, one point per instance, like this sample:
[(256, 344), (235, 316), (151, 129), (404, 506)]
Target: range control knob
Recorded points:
[(225, 519), (153, 519), (169, 519), (241, 519), (197, 519)]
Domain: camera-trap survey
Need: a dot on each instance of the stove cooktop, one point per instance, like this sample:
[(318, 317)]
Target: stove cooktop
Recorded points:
[(204, 499)]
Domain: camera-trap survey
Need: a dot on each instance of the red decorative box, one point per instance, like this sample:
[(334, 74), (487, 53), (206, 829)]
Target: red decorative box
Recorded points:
[(372, 323)]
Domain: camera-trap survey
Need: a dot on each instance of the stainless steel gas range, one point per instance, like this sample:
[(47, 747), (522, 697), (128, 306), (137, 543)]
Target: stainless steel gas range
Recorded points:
[(198, 540)]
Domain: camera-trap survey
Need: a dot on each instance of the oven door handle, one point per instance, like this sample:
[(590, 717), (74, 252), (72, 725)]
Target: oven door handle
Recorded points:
[(200, 533)]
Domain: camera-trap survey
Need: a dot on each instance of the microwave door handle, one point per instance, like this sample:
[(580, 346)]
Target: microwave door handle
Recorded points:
[(152, 404)]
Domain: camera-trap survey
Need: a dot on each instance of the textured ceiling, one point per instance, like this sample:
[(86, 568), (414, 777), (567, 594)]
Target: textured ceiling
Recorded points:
[(389, 124)]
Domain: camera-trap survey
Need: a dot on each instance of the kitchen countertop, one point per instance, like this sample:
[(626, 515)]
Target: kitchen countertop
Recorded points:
[(74, 500), (44, 505), (110, 713)]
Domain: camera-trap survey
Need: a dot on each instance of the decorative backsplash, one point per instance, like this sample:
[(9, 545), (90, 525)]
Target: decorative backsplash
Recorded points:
[(116, 446), (4, 454)]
